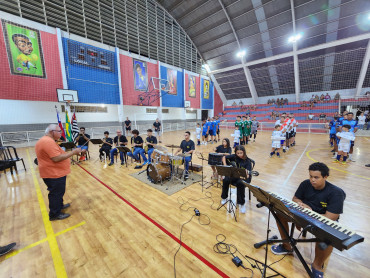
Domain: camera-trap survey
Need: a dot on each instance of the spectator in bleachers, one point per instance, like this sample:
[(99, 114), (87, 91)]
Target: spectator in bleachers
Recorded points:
[(367, 121), (337, 96), (241, 103), (312, 99), (317, 99), (286, 101), (322, 117), (322, 98), (336, 114), (327, 97), (312, 104), (273, 117), (361, 121), (310, 116), (268, 101), (273, 101), (367, 94), (234, 104)]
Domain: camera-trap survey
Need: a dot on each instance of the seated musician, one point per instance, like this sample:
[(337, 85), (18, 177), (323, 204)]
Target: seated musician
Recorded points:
[(119, 140), (151, 141), (239, 160), (224, 149), (138, 143), (321, 196), (82, 141), (187, 146), (107, 145)]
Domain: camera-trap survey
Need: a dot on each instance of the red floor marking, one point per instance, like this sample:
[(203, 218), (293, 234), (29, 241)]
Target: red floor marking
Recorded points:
[(210, 265)]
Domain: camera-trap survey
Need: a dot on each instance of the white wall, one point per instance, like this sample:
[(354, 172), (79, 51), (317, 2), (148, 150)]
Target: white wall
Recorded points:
[(35, 112), (349, 93)]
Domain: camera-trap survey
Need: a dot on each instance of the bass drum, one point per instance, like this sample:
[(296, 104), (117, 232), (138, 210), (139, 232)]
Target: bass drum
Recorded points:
[(158, 172)]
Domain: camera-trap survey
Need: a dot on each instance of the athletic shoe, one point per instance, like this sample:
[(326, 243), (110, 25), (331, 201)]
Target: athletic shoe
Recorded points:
[(7, 248), (316, 273), (223, 201), (110, 164), (254, 140), (334, 156), (344, 163), (242, 208), (336, 161), (61, 216), (284, 151), (280, 250), (270, 155)]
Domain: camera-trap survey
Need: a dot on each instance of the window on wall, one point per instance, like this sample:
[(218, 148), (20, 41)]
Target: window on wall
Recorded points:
[(165, 111), (191, 111), (86, 109), (151, 110)]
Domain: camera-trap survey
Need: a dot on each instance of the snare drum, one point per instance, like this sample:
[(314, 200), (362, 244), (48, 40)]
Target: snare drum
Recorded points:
[(158, 172), (177, 160), (215, 158), (160, 157)]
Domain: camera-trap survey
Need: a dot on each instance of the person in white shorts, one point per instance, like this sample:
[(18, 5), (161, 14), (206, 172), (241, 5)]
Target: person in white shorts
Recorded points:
[(344, 146), (276, 137)]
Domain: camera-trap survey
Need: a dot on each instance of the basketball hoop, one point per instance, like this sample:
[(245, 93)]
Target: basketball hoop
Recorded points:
[(68, 103)]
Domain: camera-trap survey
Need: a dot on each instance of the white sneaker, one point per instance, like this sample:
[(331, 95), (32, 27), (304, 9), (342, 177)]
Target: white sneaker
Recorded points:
[(242, 208), (223, 201), (334, 156)]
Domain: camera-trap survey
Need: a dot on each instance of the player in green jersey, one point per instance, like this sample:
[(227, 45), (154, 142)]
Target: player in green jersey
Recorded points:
[(239, 124)]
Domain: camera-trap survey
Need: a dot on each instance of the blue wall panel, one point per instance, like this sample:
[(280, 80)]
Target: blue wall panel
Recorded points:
[(170, 100), (97, 81), (207, 103)]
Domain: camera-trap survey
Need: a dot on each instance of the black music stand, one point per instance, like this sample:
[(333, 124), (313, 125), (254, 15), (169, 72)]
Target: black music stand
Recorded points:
[(124, 150), (202, 182), (97, 142), (231, 172), (272, 203), (69, 146)]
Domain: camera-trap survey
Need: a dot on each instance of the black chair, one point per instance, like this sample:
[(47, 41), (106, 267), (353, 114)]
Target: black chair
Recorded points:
[(13, 157), (5, 162)]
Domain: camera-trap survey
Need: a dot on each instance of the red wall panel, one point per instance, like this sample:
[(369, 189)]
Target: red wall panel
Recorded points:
[(218, 105), (129, 95), (32, 88), (194, 102)]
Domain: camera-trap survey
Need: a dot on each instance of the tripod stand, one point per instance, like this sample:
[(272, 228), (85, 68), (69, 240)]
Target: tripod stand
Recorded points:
[(202, 182)]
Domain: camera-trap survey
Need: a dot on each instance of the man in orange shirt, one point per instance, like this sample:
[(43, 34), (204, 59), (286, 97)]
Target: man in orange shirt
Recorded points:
[(54, 166)]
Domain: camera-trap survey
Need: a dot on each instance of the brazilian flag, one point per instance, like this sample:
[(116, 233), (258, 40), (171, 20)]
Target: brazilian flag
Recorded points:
[(68, 129)]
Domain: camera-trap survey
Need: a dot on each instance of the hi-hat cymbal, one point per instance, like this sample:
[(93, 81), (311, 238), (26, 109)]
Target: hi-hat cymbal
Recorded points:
[(160, 148), (173, 146)]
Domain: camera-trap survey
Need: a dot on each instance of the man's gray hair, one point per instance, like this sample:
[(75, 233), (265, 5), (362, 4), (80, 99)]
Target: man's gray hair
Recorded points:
[(50, 128)]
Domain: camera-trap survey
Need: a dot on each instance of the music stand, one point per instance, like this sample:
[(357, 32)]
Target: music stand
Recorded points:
[(231, 172), (96, 141), (124, 150), (201, 157), (272, 203)]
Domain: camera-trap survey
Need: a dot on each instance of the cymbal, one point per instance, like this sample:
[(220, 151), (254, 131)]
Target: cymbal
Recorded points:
[(184, 154), (173, 146), (160, 148)]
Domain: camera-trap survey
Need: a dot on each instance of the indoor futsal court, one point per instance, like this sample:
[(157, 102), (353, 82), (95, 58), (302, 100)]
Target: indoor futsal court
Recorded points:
[(199, 138)]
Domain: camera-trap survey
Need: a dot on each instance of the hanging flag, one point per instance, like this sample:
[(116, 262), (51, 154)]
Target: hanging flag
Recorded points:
[(63, 137), (68, 128), (75, 130)]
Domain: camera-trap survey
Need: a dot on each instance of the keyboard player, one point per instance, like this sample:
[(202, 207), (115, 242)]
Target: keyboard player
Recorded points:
[(321, 196)]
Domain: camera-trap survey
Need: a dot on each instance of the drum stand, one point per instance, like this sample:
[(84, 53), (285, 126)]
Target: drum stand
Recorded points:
[(173, 174), (202, 182)]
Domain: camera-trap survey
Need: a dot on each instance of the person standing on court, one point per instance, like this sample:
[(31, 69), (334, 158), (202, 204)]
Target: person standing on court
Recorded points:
[(128, 126), (157, 128), (54, 166)]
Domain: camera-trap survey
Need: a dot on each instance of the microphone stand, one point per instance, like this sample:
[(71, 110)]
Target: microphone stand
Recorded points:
[(202, 182)]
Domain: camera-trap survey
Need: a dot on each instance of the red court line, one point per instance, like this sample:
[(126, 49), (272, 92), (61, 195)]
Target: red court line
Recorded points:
[(210, 265)]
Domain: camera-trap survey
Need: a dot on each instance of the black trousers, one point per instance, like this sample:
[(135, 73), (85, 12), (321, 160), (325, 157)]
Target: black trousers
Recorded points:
[(57, 188), (106, 150), (240, 189)]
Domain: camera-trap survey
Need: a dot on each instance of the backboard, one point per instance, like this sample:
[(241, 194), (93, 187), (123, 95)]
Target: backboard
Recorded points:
[(67, 95)]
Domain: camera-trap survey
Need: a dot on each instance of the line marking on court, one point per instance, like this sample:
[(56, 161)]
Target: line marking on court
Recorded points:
[(340, 170), (163, 229), (53, 244), (15, 252), (296, 164)]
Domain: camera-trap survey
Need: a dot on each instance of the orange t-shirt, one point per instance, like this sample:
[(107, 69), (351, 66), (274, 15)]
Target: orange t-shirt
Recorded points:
[(46, 148)]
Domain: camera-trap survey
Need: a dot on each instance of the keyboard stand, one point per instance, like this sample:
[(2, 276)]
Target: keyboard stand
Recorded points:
[(273, 204)]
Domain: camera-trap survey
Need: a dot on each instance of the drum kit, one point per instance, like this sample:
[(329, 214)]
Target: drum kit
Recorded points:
[(164, 165)]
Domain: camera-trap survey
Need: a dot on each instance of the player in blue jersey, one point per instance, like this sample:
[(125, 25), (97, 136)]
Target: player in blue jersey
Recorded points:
[(354, 126), (333, 131), (205, 132), (214, 130)]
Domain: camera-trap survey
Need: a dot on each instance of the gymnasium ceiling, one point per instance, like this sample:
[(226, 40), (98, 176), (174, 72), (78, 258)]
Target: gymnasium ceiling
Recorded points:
[(262, 28)]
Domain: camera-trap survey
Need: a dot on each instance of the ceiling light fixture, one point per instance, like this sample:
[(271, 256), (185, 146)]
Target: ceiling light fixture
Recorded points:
[(295, 38), (241, 53)]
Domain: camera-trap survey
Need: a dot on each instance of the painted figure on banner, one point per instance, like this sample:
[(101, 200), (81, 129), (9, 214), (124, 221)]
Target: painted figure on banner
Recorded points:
[(172, 81), (24, 49), (140, 75), (192, 86), (206, 89)]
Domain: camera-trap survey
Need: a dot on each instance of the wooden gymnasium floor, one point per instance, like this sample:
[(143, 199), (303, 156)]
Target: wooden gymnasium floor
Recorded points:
[(121, 227)]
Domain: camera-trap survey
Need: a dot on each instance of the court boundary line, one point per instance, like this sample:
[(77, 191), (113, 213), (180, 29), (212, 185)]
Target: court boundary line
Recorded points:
[(340, 170), (163, 229), (50, 235)]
